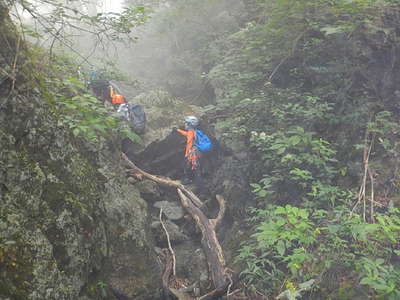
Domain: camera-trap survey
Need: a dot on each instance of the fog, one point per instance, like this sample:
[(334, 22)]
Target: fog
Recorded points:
[(110, 6), (176, 45), (171, 51)]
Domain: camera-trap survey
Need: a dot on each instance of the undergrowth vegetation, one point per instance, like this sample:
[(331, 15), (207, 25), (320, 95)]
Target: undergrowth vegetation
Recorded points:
[(311, 88)]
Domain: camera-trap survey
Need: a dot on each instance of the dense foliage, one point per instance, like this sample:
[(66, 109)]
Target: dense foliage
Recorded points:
[(311, 87)]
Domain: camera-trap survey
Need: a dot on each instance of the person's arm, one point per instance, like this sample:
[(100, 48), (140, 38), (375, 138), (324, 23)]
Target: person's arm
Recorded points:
[(182, 132), (189, 141)]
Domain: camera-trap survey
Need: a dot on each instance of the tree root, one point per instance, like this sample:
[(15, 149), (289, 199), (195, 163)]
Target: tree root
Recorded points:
[(215, 258)]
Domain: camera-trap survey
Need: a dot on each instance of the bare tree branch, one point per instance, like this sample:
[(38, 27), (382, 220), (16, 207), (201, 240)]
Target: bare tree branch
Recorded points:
[(169, 244)]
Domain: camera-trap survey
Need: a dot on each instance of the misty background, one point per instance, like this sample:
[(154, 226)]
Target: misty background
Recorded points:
[(174, 49)]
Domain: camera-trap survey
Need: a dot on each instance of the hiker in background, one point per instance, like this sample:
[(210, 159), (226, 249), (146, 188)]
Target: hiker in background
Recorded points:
[(104, 89), (99, 86), (123, 111), (135, 115), (116, 98), (94, 75), (197, 143), (137, 118)]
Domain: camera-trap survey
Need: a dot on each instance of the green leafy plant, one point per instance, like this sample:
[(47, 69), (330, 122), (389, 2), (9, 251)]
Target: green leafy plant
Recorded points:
[(280, 243), (102, 287), (297, 160), (384, 279), (299, 244)]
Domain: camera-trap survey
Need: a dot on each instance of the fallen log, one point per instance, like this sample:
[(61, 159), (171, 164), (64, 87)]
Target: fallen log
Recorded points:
[(217, 221), (211, 246), (164, 181), (209, 241)]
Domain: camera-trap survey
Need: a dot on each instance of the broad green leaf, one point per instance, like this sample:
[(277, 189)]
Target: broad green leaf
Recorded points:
[(331, 30), (280, 247), (294, 140)]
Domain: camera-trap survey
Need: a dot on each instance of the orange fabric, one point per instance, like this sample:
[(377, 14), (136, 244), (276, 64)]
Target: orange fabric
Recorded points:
[(194, 159), (118, 99), (190, 136)]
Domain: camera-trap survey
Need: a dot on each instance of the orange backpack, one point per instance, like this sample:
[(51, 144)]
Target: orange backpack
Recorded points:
[(118, 99)]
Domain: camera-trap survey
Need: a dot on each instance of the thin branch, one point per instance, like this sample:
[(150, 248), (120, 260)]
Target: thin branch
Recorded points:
[(52, 43), (202, 91), (229, 286), (50, 31), (361, 193), (169, 244), (50, 24), (371, 178), (278, 66), (14, 67)]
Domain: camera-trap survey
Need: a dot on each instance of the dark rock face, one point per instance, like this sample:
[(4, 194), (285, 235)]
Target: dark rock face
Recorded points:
[(172, 210)]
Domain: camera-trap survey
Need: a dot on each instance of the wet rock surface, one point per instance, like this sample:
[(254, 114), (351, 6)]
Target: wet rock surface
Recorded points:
[(170, 209), (176, 235), (192, 263)]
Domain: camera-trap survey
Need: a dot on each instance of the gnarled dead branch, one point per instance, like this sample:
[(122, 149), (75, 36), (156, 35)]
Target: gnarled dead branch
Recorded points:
[(164, 181), (211, 246)]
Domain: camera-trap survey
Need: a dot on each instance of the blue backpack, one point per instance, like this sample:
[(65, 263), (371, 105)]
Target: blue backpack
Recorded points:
[(202, 142)]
